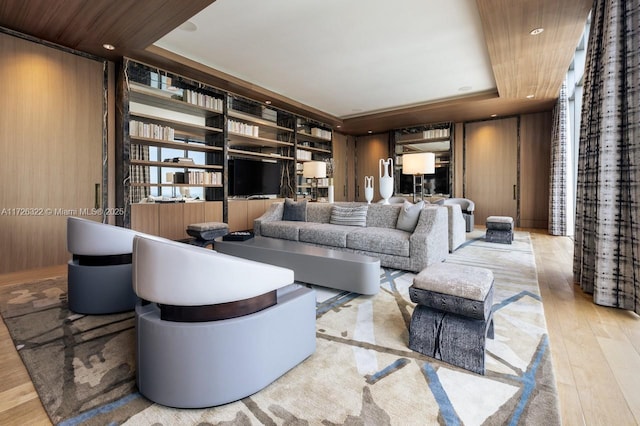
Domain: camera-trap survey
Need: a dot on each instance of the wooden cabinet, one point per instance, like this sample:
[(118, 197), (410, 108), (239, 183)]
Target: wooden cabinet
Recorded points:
[(170, 220), (237, 214), (243, 212)]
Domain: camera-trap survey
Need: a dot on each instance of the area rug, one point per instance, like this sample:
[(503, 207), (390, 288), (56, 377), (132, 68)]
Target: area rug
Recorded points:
[(362, 372)]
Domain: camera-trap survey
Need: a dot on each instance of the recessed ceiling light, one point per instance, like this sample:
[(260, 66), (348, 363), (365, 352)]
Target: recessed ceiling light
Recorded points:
[(464, 88), (531, 96), (338, 126), (494, 115), (369, 131), (536, 31), (188, 26), (268, 102), (109, 46)]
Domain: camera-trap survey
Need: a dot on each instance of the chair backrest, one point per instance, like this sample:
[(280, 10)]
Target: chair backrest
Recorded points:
[(90, 238), (466, 204), (173, 273)]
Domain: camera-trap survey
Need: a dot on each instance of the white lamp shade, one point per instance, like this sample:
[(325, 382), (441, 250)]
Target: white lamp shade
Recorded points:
[(423, 163), (314, 169)]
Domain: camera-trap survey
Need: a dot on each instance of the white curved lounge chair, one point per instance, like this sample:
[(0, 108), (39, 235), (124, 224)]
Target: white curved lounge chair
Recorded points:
[(213, 328), (467, 207), (99, 274)]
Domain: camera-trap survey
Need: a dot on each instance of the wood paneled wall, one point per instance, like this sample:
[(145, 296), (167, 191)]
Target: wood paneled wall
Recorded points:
[(51, 142), (340, 166), (493, 163), (491, 167), (369, 150), (535, 166), (458, 161)]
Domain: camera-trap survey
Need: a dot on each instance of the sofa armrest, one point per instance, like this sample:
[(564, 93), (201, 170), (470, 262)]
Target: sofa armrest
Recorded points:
[(457, 227), (429, 242), (273, 213)]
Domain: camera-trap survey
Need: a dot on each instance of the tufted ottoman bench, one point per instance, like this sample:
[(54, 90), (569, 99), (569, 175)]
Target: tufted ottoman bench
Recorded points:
[(499, 229), (208, 231), (453, 316)]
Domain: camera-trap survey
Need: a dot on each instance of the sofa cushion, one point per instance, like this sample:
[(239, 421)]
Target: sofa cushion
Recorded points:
[(286, 230), (325, 234), (380, 240), (319, 212), (349, 216), (409, 215), (295, 210), (383, 215)]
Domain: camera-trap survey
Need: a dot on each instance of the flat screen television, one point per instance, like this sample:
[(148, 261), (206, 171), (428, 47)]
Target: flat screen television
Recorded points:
[(253, 177)]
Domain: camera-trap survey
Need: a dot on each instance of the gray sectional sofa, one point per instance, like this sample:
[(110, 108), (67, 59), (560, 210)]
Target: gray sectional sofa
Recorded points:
[(396, 248)]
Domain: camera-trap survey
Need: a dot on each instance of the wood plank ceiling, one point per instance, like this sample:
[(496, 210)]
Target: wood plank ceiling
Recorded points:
[(522, 64)]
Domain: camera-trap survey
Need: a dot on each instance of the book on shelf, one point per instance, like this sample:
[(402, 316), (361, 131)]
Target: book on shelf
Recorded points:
[(242, 128), (321, 133), (179, 160), (302, 154), (198, 178), (203, 100), (151, 131)]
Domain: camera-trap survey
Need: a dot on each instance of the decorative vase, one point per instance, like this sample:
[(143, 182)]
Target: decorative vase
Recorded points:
[(386, 179), (330, 190), (368, 188)]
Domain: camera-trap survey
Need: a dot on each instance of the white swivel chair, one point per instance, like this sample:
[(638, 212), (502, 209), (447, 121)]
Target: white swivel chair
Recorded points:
[(467, 207), (213, 328), (99, 274)]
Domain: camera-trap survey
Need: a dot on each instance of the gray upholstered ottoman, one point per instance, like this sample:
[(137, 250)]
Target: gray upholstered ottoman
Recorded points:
[(208, 231), (499, 229), (453, 316)]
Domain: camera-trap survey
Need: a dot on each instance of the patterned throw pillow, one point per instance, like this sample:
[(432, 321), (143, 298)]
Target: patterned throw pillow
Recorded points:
[(350, 216), (409, 215), (295, 211)]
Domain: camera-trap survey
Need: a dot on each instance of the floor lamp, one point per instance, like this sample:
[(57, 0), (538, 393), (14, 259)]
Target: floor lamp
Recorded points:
[(315, 170), (418, 165)]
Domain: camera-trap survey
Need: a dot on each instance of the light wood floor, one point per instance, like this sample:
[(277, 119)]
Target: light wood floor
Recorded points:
[(595, 350)]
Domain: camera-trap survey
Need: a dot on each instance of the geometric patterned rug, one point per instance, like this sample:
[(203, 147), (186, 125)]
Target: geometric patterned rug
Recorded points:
[(362, 372)]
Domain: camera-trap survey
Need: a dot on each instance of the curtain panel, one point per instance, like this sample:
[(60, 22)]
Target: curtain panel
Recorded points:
[(558, 178), (606, 251)]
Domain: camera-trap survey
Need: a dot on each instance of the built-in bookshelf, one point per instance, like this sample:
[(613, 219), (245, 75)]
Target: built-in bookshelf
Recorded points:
[(314, 142), (180, 138), (435, 138), (260, 132), (175, 137)]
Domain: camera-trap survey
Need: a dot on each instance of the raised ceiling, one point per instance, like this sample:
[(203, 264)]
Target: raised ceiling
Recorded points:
[(335, 59), (348, 60)]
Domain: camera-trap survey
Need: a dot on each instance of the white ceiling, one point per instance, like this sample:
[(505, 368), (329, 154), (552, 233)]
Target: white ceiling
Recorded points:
[(344, 57)]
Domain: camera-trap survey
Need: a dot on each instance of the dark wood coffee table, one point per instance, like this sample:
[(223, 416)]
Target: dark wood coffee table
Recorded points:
[(311, 264)]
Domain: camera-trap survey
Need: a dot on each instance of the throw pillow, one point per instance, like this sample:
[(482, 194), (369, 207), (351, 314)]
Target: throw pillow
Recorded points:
[(295, 211), (409, 215), (350, 216)]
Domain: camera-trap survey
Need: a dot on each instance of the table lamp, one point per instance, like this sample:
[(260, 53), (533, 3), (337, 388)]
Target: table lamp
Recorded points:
[(314, 170), (418, 165)]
